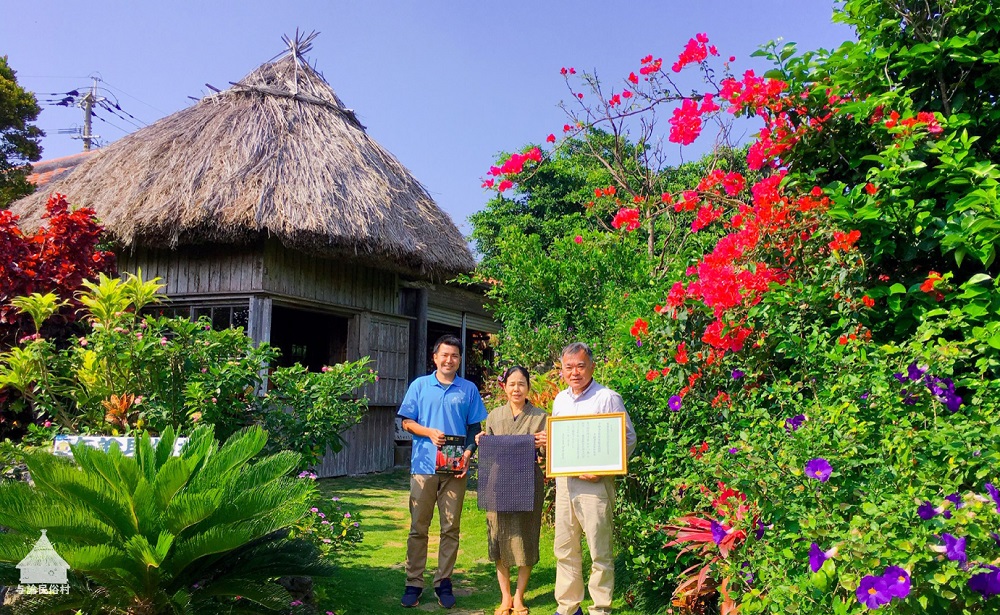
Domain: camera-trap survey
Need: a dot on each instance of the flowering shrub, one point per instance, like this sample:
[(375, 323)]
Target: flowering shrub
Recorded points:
[(131, 371), (329, 526), (819, 329)]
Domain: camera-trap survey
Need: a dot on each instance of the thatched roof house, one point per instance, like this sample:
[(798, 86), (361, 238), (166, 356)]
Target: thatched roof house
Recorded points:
[(268, 206), (277, 155)]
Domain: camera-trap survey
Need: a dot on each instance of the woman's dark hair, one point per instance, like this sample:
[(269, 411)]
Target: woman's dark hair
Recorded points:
[(516, 368)]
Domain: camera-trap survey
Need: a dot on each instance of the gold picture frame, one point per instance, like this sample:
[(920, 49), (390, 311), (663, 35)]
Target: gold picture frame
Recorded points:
[(586, 444)]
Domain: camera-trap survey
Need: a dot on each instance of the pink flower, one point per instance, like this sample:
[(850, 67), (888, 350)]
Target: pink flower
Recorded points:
[(83, 341), (578, 239)]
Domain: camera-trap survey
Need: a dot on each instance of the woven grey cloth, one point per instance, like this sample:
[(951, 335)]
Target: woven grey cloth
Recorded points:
[(507, 473)]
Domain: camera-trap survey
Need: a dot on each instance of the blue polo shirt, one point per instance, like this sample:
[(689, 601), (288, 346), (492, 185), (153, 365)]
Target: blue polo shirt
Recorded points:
[(450, 408)]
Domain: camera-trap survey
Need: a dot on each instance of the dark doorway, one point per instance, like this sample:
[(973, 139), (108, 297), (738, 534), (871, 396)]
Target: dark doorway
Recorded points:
[(312, 339)]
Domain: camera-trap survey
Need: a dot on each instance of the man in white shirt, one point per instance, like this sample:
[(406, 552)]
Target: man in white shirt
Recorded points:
[(585, 505)]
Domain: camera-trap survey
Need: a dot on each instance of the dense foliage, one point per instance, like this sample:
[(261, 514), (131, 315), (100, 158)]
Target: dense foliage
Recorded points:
[(202, 532), (56, 258), (129, 371), (19, 138), (810, 358)]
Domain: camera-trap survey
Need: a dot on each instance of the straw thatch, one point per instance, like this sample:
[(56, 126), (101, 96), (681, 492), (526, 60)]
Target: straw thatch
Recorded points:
[(276, 155)]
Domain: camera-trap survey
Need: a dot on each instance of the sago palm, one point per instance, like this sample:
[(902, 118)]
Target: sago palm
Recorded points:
[(203, 532)]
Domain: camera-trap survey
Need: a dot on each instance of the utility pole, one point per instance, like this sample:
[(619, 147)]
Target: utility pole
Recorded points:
[(87, 104)]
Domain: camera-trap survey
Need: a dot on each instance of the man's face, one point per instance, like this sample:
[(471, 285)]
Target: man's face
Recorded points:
[(447, 360), (577, 370)]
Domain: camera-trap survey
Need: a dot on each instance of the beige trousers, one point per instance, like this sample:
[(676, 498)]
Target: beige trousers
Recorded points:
[(426, 491), (584, 509)]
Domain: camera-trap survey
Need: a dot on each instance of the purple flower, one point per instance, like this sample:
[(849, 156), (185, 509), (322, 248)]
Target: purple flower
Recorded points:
[(734, 451), (719, 533), (926, 511), (914, 371), (990, 489), (909, 398), (900, 377), (819, 469), (952, 402), (986, 583), (873, 592), (737, 374), (954, 548), (864, 396), (817, 556), (793, 423), (955, 499), (898, 582), (759, 532), (674, 403)]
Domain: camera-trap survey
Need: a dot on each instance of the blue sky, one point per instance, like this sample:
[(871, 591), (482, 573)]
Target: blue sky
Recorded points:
[(443, 85)]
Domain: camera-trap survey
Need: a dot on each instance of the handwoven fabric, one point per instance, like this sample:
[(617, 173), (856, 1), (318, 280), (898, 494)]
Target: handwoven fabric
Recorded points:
[(507, 473)]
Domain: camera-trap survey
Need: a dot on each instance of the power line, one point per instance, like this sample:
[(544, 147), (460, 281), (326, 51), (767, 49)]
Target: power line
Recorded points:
[(123, 92)]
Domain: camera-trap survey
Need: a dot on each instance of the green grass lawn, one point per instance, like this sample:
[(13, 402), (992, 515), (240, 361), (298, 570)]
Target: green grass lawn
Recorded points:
[(370, 579)]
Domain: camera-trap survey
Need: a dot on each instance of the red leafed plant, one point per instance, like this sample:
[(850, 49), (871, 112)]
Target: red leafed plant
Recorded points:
[(57, 258), (712, 541)]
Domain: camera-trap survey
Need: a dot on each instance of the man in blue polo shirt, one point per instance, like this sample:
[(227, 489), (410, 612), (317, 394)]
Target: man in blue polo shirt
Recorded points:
[(441, 404)]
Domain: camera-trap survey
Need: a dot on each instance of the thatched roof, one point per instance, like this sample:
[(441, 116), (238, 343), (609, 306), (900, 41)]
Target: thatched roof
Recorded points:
[(276, 155)]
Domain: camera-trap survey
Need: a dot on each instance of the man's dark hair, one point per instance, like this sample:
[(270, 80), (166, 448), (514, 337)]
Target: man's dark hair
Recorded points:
[(576, 348), (448, 340)]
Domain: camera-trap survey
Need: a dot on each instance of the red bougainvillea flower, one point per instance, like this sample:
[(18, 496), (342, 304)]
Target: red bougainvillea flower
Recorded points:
[(627, 217), (639, 327), (505, 185), (652, 374), (685, 124), (870, 188), (932, 279), (550, 139), (681, 356), (868, 301), (844, 241), (488, 183), (633, 78), (578, 239)]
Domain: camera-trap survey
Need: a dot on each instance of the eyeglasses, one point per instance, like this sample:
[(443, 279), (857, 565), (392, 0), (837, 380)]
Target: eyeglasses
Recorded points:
[(579, 367)]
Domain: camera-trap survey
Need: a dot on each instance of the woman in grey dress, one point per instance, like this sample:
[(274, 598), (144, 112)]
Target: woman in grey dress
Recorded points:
[(513, 536)]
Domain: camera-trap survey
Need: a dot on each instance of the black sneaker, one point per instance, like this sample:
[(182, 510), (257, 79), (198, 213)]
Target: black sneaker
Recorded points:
[(411, 596), (579, 611), (443, 591)]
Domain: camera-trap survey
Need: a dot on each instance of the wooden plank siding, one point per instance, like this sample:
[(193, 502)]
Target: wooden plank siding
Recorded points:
[(198, 271), (370, 446), (329, 281)]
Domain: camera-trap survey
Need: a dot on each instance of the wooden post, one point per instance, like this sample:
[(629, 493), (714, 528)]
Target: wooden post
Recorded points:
[(259, 330), (420, 352), (465, 343)]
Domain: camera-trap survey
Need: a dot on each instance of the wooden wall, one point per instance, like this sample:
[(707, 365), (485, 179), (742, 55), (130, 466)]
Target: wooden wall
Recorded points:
[(269, 268), (211, 270), (330, 281), (370, 446)]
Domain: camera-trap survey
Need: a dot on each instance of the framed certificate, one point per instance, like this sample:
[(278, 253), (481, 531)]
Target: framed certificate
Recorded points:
[(586, 444)]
